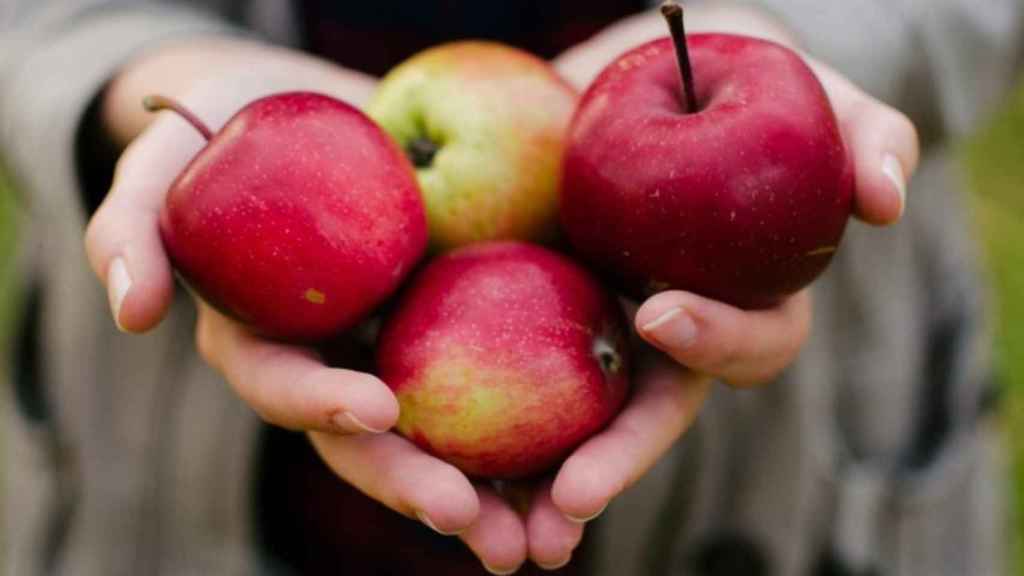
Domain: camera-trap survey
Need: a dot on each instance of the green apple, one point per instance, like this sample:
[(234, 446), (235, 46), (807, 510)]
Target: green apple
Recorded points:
[(485, 125)]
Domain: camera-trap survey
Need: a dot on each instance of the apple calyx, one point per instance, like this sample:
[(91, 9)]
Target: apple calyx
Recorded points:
[(673, 14), (421, 151), (607, 355), (156, 103)]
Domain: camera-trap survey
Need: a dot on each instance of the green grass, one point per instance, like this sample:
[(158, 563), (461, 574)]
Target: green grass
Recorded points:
[(1002, 233), (995, 162)]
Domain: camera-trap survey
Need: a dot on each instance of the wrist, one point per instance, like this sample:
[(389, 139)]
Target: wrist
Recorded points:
[(172, 69), (217, 76)]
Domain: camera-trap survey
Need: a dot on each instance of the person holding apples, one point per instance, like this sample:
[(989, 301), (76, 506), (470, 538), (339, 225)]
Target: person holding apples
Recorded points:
[(130, 456)]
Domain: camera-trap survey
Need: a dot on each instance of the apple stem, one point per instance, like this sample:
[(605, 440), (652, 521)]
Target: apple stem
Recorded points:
[(156, 103), (673, 14)]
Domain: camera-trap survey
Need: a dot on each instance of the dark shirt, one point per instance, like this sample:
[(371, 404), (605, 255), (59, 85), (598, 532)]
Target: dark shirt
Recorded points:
[(374, 36)]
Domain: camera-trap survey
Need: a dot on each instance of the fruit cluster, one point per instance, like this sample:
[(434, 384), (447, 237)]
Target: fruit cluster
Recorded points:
[(303, 215)]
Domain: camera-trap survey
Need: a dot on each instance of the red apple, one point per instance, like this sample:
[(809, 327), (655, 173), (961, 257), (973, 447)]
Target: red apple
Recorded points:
[(298, 217), (504, 357), (743, 199)]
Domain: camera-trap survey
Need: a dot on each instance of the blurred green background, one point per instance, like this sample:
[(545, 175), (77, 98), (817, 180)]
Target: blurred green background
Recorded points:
[(995, 161), (8, 298)]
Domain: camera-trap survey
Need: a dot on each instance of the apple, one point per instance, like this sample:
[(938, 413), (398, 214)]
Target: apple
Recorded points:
[(298, 217), (504, 357), (484, 125), (737, 187)]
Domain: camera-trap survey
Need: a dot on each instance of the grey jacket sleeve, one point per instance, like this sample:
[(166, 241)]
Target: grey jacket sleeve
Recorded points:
[(54, 57), (944, 62)]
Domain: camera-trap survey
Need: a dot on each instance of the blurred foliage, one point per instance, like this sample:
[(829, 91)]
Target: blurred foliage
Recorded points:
[(8, 299), (8, 232), (995, 163)]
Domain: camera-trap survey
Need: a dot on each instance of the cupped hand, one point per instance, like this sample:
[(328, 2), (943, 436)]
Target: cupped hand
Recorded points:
[(669, 388), (700, 340), (346, 415), (345, 412)]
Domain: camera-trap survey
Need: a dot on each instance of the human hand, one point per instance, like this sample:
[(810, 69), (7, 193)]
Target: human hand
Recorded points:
[(706, 339), (346, 413), (744, 347), (288, 386), (214, 79)]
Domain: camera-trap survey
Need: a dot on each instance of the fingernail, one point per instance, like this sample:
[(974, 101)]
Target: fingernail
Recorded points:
[(557, 565), (347, 420), (119, 282), (893, 170), (674, 329), (498, 572), (588, 518), (430, 524)]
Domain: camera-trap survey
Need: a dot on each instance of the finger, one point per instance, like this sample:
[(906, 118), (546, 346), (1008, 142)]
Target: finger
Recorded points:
[(123, 245), (741, 347), (396, 473), (498, 536), (666, 402), (123, 239), (552, 537), (289, 386), (883, 143)]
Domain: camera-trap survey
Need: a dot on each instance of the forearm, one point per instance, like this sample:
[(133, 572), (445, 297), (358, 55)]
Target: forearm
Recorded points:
[(246, 68), (582, 63)]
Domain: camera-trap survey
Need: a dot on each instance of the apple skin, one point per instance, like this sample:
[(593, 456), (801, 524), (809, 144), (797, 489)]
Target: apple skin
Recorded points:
[(297, 218), (499, 117), (744, 201), (504, 357)]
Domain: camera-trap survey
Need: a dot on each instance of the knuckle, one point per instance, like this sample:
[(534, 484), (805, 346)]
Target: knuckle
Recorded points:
[(799, 331), (205, 341), (796, 343), (94, 230), (860, 113), (265, 415), (126, 159), (98, 234), (911, 137), (264, 407), (721, 359), (905, 125)]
